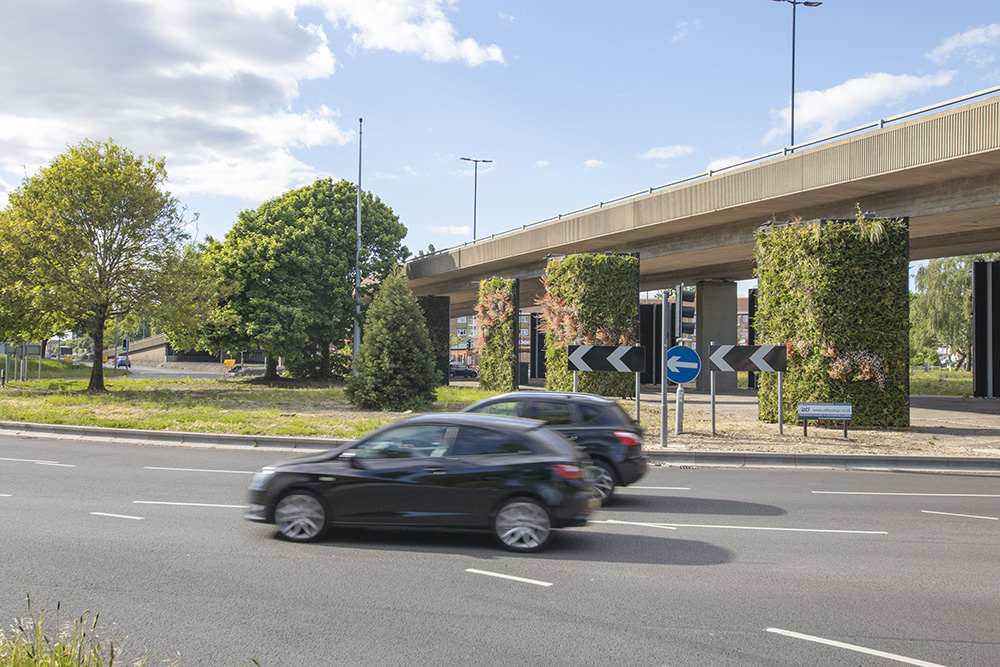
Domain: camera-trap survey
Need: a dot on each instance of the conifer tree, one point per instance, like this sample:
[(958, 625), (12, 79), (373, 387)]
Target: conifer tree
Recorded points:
[(396, 369)]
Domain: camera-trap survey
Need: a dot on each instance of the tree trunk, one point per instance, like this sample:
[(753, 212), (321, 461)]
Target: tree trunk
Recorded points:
[(271, 372), (96, 385)]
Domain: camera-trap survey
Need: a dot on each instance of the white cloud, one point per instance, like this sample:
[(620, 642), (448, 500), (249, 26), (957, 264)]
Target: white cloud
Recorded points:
[(541, 164), (408, 26), (977, 45), (722, 162), (681, 32), (666, 152), (506, 18), (212, 86), (593, 164), (820, 113), (455, 230)]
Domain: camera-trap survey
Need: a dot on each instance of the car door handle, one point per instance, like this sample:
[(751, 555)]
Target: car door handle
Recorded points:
[(435, 470)]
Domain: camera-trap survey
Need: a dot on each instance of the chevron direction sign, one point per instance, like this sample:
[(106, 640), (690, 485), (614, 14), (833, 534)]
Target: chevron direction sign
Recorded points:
[(730, 358), (621, 359)]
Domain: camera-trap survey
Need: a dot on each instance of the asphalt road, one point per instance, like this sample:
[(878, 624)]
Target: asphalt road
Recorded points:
[(691, 567)]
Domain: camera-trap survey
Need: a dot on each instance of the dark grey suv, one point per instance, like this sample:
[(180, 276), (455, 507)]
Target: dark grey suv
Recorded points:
[(597, 425)]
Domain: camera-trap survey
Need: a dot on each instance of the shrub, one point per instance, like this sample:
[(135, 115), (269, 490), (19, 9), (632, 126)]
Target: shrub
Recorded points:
[(396, 367)]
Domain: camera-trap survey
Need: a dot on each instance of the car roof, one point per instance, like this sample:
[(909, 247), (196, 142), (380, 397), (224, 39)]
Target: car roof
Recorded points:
[(473, 419), (569, 396)]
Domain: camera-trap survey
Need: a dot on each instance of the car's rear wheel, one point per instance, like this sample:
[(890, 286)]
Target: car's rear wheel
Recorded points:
[(602, 478), (522, 524), (300, 516)]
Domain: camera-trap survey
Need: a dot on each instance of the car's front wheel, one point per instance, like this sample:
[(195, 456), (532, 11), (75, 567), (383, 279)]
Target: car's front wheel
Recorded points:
[(602, 478), (300, 516), (522, 524)]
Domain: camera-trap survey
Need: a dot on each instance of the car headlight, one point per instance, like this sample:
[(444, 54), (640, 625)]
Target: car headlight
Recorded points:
[(261, 478)]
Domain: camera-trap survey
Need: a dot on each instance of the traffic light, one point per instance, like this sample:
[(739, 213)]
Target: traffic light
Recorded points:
[(124, 344), (681, 316)]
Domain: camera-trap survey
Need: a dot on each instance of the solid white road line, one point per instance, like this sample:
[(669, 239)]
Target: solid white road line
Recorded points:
[(39, 462), (6, 495), (507, 576), (231, 472), (164, 502), (928, 495), (654, 488), (635, 523), (778, 529), (853, 647), (119, 516), (965, 516)]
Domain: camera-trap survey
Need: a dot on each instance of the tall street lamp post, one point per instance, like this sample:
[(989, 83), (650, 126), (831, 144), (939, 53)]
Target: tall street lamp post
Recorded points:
[(475, 191), (795, 4)]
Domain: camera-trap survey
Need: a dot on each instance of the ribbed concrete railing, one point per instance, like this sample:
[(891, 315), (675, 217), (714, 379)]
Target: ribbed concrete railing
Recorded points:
[(928, 148)]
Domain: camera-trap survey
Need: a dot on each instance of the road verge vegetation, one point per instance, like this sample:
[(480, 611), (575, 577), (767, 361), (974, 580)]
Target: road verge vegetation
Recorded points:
[(303, 408)]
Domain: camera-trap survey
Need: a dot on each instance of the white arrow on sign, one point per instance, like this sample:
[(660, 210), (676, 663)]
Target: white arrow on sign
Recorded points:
[(758, 358), (674, 364), (615, 358), (577, 357), (719, 357)]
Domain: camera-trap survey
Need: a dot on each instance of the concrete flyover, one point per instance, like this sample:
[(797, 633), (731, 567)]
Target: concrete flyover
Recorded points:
[(941, 170)]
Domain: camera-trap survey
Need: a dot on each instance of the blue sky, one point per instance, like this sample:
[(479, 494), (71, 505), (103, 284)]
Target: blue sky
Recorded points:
[(574, 101)]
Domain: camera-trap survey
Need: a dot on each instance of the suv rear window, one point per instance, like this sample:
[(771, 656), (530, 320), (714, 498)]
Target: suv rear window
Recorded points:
[(610, 414)]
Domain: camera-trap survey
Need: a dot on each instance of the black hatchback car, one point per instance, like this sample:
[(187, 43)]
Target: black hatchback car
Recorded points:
[(597, 425), (513, 477)]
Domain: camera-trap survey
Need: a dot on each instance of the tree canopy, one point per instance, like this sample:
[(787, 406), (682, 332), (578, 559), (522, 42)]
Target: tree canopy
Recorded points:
[(287, 269), (92, 234), (941, 308)]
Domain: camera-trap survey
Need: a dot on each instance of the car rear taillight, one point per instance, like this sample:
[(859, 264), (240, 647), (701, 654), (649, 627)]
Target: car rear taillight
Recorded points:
[(567, 471), (629, 439)]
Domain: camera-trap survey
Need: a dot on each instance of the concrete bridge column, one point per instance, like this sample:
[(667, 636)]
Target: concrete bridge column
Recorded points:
[(716, 322)]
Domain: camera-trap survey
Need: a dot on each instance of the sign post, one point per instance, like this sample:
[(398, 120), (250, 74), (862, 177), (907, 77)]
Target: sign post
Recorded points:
[(608, 358), (751, 358), (683, 365)]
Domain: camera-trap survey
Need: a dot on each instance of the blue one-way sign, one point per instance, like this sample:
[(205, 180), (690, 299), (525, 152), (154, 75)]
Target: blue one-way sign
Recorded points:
[(683, 364)]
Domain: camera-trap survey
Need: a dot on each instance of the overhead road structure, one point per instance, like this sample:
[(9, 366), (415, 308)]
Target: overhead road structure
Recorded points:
[(939, 167)]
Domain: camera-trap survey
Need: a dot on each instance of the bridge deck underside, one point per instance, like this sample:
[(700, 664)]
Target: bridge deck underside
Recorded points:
[(941, 172)]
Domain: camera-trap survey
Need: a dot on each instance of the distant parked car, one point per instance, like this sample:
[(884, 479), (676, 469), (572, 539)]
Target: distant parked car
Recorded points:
[(597, 425), (461, 371), (123, 362), (513, 477)]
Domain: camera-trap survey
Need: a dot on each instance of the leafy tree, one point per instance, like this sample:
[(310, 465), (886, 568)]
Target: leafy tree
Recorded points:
[(941, 311), (396, 369), (287, 272), (93, 231), (192, 291)]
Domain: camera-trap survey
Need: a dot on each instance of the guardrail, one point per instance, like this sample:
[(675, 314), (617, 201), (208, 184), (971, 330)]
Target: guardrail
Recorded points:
[(879, 124)]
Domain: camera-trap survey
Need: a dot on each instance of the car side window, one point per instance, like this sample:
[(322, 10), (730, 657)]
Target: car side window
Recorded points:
[(405, 442), (551, 412), (590, 415), (503, 408), (475, 441)]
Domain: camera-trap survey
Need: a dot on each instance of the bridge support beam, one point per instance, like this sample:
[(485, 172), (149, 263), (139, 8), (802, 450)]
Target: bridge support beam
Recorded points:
[(716, 323)]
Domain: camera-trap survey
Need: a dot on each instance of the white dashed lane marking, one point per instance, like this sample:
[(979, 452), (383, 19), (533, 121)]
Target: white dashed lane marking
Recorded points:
[(509, 577), (853, 647)]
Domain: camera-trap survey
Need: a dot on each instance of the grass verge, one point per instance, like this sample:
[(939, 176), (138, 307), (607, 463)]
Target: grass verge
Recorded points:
[(239, 406)]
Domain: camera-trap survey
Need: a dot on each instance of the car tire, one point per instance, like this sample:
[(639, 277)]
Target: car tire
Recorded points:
[(602, 477), (300, 516), (522, 525)]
